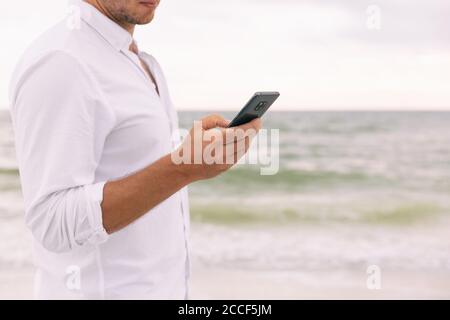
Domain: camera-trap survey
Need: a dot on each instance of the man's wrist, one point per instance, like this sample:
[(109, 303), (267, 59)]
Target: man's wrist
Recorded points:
[(182, 172)]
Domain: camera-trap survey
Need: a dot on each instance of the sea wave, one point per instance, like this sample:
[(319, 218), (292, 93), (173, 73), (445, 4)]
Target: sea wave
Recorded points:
[(245, 179), (9, 171), (401, 214)]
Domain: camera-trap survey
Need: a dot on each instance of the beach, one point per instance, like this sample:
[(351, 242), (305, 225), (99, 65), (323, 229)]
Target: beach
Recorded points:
[(241, 284), (264, 264), (353, 190), (235, 277)]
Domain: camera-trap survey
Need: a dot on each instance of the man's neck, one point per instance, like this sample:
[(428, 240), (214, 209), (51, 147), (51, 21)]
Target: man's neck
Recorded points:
[(100, 7)]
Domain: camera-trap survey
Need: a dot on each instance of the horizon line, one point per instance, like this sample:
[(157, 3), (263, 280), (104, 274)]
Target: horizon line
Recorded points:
[(312, 110)]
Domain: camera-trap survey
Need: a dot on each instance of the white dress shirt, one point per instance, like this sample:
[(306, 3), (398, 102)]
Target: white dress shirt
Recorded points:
[(86, 112)]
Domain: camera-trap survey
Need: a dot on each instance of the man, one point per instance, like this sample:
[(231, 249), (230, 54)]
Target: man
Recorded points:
[(94, 123)]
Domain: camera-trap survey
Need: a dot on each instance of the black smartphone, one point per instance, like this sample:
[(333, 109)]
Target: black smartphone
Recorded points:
[(255, 108)]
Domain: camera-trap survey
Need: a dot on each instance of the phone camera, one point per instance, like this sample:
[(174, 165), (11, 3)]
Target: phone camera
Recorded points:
[(260, 105)]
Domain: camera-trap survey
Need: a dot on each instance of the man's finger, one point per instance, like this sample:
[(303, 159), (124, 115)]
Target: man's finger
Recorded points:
[(233, 135), (232, 153), (214, 121), (255, 124)]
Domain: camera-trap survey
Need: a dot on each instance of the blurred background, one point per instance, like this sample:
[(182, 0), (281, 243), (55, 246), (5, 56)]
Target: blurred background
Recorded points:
[(364, 173)]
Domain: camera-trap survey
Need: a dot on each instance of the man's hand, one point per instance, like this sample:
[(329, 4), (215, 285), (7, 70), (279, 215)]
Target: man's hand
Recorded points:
[(211, 148)]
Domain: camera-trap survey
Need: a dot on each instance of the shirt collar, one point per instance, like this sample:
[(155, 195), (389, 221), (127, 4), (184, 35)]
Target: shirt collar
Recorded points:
[(117, 36)]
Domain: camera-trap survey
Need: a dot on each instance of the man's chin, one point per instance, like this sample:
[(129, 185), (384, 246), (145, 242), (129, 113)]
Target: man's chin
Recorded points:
[(146, 19)]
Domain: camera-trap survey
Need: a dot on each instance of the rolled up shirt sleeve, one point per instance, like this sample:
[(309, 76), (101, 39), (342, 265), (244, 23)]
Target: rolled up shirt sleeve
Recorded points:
[(61, 123)]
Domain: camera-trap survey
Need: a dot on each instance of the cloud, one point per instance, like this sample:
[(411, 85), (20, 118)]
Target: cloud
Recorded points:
[(318, 53)]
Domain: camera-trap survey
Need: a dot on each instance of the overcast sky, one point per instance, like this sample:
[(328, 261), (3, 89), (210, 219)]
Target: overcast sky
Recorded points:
[(319, 54)]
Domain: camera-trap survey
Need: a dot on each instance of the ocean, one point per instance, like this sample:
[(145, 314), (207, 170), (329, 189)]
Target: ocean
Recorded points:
[(353, 189)]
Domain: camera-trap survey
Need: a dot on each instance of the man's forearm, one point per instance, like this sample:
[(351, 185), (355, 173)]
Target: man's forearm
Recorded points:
[(129, 198)]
